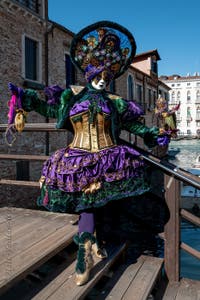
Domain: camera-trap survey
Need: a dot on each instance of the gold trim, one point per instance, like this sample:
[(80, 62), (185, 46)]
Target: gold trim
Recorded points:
[(76, 89)]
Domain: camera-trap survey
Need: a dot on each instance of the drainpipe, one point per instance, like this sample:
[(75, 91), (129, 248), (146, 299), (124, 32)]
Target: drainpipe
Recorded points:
[(46, 66)]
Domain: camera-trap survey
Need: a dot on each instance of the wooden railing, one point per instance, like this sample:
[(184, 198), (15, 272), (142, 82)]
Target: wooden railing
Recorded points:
[(172, 178)]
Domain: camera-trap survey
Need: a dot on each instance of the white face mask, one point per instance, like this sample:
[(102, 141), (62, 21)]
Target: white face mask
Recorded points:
[(99, 85)]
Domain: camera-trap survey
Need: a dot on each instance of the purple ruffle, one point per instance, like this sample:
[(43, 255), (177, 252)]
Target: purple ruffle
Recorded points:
[(84, 106), (71, 170)]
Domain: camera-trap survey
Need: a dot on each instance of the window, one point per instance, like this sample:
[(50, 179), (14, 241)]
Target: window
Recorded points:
[(70, 71), (154, 98), (139, 94), (173, 97), (198, 96), (178, 96), (188, 96), (32, 61), (198, 113), (149, 99), (154, 66), (130, 88), (178, 115), (31, 4), (189, 118)]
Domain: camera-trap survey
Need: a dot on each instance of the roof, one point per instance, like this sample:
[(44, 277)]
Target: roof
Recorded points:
[(147, 54), (178, 77), (62, 28)]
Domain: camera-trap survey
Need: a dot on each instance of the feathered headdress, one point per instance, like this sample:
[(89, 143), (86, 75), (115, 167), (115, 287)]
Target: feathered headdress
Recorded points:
[(103, 46)]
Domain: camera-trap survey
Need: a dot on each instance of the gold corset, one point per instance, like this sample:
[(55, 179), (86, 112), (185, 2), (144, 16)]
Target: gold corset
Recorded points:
[(92, 137)]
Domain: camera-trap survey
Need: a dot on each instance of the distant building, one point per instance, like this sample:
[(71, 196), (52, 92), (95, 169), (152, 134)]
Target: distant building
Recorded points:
[(186, 90)]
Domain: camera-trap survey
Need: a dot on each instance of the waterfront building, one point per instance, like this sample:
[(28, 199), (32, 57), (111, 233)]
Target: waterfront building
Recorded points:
[(186, 90)]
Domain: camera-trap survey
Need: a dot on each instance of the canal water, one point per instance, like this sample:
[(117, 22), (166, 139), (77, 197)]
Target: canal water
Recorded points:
[(190, 234)]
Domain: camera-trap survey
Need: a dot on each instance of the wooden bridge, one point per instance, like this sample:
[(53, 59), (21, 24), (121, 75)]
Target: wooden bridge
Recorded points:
[(38, 255)]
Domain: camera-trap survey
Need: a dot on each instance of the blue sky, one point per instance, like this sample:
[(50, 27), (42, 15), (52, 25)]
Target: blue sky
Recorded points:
[(172, 27)]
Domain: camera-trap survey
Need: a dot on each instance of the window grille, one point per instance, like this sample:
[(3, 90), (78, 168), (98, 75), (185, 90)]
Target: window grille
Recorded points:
[(30, 59), (31, 4)]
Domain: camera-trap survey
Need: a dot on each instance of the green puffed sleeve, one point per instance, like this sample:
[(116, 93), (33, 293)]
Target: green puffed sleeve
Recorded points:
[(31, 102), (149, 135)]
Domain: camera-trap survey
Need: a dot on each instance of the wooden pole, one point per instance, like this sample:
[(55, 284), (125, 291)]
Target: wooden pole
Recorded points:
[(172, 229)]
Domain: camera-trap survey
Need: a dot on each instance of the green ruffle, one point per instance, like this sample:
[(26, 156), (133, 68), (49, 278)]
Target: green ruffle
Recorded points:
[(75, 202)]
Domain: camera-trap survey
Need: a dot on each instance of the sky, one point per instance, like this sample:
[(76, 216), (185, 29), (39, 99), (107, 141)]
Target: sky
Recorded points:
[(172, 27)]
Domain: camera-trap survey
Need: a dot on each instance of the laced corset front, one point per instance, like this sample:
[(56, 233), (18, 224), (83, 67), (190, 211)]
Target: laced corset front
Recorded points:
[(92, 127)]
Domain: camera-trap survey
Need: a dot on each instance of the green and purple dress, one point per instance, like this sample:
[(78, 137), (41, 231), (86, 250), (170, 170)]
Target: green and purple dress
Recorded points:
[(95, 168)]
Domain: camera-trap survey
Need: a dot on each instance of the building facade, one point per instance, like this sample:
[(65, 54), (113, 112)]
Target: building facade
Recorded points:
[(186, 91)]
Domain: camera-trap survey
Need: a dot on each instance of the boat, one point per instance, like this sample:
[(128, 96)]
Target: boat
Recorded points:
[(172, 152), (196, 165), (190, 196)]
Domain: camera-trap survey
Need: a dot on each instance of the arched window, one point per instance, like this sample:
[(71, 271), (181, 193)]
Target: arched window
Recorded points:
[(189, 114), (130, 88), (173, 97), (188, 96), (198, 113), (198, 96), (178, 96)]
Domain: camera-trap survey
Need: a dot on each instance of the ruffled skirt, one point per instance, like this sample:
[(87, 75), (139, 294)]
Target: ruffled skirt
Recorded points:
[(118, 171)]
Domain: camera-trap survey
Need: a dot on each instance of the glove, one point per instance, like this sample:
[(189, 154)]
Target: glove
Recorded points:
[(13, 88), (163, 140)]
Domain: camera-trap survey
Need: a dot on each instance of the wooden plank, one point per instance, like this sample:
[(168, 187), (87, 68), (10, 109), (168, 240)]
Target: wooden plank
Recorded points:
[(20, 183), (29, 233), (145, 279), (39, 127), (63, 287), (190, 217), (28, 236), (126, 277), (171, 291), (23, 157), (41, 247), (188, 290), (190, 250)]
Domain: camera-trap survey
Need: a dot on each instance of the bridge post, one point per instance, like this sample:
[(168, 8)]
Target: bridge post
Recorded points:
[(172, 229)]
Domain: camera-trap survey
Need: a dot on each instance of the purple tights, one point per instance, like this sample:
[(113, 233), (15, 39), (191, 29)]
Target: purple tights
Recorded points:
[(86, 222)]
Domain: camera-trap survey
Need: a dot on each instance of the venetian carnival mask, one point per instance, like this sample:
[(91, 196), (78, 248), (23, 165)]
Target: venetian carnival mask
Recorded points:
[(100, 81)]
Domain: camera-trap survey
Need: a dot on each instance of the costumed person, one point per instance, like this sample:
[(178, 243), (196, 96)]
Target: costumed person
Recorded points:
[(95, 168), (166, 117)]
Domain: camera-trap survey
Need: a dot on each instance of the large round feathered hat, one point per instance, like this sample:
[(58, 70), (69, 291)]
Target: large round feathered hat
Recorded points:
[(103, 46)]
